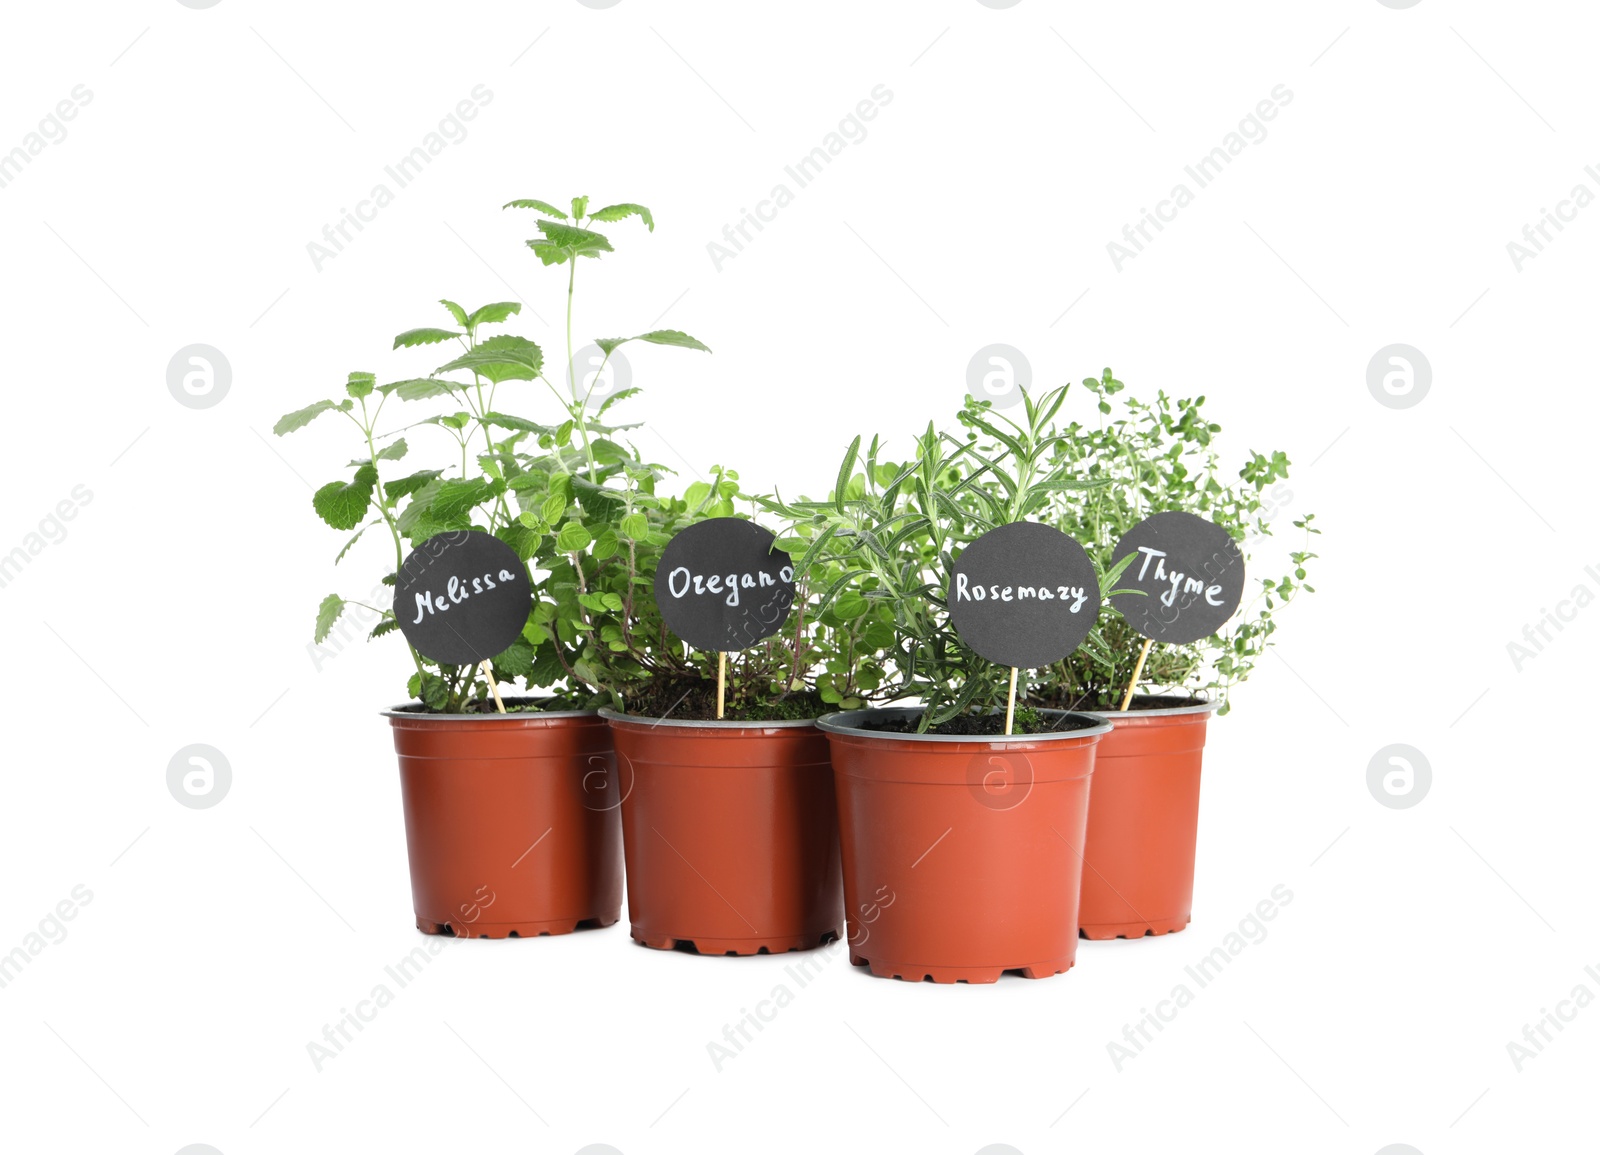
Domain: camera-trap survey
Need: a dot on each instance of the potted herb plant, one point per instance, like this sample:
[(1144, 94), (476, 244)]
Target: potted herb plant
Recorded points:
[(1139, 852), (729, 831), (729, 825), (961, 835), (512, 822)]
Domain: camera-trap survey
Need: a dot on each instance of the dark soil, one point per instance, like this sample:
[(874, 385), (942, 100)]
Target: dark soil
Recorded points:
[(513, 706), (696, 701), (982, 725), (1140, 702)]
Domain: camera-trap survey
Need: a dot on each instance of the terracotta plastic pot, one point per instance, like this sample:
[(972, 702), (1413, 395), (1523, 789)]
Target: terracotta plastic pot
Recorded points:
[(961, 854), (730, 834), (1138, 873), (511, 821)]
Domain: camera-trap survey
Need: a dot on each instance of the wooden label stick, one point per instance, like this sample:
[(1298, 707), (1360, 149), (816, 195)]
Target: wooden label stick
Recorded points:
[(488, 672), (722, 679), (1011, 700), (1137, 670)]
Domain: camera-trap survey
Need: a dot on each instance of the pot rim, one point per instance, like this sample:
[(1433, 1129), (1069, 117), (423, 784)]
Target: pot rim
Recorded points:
[(1166, 712), (403, 710), (840, 723), (646, 721)]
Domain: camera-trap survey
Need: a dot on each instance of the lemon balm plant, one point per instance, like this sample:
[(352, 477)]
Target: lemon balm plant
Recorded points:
[(541, 487), (474, 780)]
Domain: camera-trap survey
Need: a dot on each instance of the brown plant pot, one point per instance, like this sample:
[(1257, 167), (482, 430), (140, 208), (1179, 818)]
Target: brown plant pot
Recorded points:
[(961, 855), (1138, 874), (511, 821), (730, 834)]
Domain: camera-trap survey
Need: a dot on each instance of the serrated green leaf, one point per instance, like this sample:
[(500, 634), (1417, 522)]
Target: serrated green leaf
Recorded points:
[(419, 388), (493, 314), (327, 613), (623, 211), (548, 252), (393, 452), (654, 337), (352, 541), (552, 508), (508, 421), (580, 205), (300, 418), (456, 311), (672, 337), (386, 626), (343, 504), (404, 485), (503, 358), (414, 337), (359, 384), (458, 496), (544, 207), (574, 239), (421, 498)]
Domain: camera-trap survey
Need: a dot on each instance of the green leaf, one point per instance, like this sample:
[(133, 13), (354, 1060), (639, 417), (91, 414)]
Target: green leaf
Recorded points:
[(572, 538), (544, 207), (850, 605), (548, 252), (635, 525), (458, 496), (343, 504), (622, 212), (508, 421), (493, 314), (413, 337), (552, 509), (655, 337), (404, 485), (393, 452), (574, 239), (419, 388), (520, 538), (843, 482), (580, 205), (386, 626), (599, 503), (352, 541), (359, 384), (613, 399), (327, 613), (417, 508), (456, 311), (503, 358), (300, 418)]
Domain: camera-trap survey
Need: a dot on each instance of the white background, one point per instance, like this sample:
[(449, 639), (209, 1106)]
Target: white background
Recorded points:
[(977, 209)]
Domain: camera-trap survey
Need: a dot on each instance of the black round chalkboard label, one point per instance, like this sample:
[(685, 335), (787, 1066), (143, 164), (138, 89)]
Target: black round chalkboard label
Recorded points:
[(722, 586), (1190, 571), (1023, 594), (462, 597)]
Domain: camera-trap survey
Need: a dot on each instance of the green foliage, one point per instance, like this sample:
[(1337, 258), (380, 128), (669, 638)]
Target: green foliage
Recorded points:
[(1147, 457), (554, 491), (590, 517), (888, 537)]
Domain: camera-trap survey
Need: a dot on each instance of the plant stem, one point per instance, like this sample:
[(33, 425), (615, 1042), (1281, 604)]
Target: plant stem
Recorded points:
[(394, 532)]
